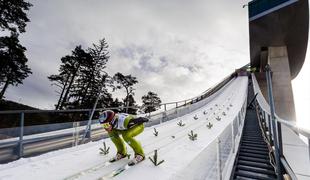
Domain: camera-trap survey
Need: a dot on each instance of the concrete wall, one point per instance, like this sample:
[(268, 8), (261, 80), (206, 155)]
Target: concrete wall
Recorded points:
[(281, 83)]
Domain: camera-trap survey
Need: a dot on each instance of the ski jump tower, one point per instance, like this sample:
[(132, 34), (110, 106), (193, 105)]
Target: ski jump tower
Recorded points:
[(279, 37)]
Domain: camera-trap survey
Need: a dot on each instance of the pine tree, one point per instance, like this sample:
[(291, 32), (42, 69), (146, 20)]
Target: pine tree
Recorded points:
[(131, 103), (61, 81), (100, 78), (126, 82), (13, 67), (115, 104), (68, 71), (13, 16), (151, 102)]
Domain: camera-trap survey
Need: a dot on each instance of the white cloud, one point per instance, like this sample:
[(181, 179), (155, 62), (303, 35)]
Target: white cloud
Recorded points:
[(175, 48)]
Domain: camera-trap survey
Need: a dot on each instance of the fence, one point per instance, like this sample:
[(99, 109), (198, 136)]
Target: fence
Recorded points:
[(185, 108)]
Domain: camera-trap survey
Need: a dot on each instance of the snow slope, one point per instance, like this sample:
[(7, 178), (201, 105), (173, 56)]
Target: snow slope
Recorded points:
[(179, 153)]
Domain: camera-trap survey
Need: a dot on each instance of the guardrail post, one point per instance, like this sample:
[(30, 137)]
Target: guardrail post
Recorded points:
[(88, 133), (270, 129), (163, 117), (76, 134), (233, 137), (309, 147), (264, 116), (21, 136), (279, 131), (165, 107), (274, 123), (219, 171), (239, 120)]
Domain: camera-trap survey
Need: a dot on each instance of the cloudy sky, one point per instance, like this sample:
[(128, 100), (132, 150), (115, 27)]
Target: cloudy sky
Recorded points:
[(176, 48)]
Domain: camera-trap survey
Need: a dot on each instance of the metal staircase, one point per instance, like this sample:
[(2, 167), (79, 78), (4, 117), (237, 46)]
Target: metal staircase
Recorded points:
[(252, 161)]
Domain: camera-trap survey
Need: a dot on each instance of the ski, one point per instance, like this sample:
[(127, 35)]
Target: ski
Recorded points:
[(115, 172), (93, 169), (87, 171)]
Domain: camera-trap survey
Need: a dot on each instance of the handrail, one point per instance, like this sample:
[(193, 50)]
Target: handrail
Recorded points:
[(275, 126), (265, 106), (228, 79)]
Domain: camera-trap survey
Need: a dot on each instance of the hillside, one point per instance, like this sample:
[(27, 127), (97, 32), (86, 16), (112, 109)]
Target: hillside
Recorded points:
[(11, 105)]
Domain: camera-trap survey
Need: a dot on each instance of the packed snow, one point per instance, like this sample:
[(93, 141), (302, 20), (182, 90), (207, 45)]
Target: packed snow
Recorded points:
[(172, 143)]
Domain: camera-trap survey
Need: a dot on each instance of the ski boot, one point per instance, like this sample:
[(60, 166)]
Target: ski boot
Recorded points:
[(138, 158), (117, 157)]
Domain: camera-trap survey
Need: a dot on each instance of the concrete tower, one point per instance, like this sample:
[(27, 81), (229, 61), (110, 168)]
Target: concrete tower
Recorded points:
[(279, 37)]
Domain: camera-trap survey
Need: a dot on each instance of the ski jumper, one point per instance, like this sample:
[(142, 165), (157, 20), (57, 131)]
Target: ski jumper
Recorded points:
[(127, 126)]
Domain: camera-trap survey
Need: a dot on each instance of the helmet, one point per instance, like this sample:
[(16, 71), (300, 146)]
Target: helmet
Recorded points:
[(106, 116)]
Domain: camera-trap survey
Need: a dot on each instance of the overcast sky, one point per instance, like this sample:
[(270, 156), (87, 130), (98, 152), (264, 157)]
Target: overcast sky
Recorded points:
[(176, 48)]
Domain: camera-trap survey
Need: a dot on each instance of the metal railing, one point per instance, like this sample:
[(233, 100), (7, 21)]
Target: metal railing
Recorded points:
[(274, 122)]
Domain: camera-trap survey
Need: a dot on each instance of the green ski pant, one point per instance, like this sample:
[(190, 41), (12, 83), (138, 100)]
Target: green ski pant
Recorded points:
[(128, 136)]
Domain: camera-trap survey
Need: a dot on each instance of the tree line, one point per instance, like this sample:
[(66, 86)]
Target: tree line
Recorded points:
[(81, 75)]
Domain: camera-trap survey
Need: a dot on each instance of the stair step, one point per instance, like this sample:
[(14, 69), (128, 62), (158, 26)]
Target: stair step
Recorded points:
[(257, 170), (254, 152), (253, 138), (253, 132), (254, 159), (254, 141), (257, 141), (255, 164), (255, 148), (253, 144), (253, 155), (254, 175), (242, 178)]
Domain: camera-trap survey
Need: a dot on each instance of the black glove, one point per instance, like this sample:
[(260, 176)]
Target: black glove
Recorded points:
[(137, 121)]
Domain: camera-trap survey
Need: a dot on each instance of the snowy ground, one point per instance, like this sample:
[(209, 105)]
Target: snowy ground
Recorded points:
[(85, 162)]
